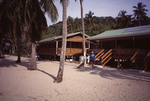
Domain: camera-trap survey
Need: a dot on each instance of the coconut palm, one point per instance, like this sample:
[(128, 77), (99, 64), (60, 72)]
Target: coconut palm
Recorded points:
[(77, 24), (10, 21), (89, 21), (70, 23), (59, 77), (124, 20), (1, 33), (28, 14), (37, 23), (140, 12), (83, 34)]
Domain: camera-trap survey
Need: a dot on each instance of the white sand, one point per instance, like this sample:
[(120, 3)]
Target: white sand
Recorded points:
[(86, 84)]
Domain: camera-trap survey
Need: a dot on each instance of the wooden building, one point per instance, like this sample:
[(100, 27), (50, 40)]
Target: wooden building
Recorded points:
[(127, 44), (50, 48)]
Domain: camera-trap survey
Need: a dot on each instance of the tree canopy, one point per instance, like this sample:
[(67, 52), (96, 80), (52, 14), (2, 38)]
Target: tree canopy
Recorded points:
[(24, 19), (95, 25)]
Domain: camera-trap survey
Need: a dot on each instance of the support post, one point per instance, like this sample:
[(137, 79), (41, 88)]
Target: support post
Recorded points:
[(133, 42), (89, 44), (115, 44), (56, 47)]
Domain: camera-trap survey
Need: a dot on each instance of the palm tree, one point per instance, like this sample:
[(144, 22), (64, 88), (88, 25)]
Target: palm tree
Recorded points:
[(37, 24), (10, 23), (70, 23), (140, 12), (124, 20), (21, 13), (77, 24), (49, 7), (89, 20), (1, 33), (59, 77), (83, 34)]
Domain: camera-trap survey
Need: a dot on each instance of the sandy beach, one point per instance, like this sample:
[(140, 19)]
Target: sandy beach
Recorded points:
[(85, 84)]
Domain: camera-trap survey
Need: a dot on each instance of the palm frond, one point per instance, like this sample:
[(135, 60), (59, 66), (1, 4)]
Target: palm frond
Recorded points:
[(49, 7)]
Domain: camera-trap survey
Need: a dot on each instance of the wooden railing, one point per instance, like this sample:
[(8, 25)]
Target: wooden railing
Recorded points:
[(103, 56), (123, 53), (147, 61), (54, 51), (134, 56), (106, 57), (70, 51), (99, 55)]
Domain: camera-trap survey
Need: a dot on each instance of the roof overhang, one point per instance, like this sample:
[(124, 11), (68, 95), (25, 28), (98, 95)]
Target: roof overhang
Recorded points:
[(60, 37), (139, 31)]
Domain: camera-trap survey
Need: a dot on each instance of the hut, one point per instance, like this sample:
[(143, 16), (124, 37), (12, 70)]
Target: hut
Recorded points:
[(50, 48), (127, 44)]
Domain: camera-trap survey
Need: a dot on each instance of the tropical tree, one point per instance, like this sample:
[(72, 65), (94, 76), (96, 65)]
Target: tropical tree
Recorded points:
[(124, 20), (77, 24), (10, 21), (83, 34), (70, 23), (1, 33), (59, 77), (140, 13), (89, 21), (38, 23), (29, 14)]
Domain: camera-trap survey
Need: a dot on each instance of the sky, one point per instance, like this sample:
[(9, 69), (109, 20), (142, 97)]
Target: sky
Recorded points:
[(99, 8)]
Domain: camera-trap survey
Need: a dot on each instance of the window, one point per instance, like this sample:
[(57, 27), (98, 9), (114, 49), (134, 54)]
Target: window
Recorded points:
[(68, 44), (76, 44), (59, 44)]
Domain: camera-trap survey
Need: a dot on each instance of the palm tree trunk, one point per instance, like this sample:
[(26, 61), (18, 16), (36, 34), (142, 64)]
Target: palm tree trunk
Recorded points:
[(59, 77), (13, 49), (139, 22), (19, 52), (83, 32), (32, 62), (1, 52)]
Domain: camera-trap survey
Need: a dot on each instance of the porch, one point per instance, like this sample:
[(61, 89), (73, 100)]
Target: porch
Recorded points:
[(137, 58)]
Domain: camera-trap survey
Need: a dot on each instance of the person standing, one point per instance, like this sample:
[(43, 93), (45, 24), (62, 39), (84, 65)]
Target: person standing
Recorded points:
[(92, 59)]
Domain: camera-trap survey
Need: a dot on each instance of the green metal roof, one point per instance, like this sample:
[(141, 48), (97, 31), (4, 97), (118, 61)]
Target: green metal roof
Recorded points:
[(59, 37), (122, 33)]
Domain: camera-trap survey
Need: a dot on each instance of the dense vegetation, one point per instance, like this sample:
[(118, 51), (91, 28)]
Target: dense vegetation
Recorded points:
[(21, 25), (96, 25)]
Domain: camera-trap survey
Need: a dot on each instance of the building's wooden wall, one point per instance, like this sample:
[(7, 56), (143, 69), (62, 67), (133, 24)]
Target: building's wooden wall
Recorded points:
[(48, 51), (74, 47), (70, 51), (76, 39)]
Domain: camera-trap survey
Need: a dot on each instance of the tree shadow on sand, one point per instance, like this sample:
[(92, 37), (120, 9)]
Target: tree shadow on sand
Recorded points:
[(118, 74), (12, 63), (47, 73)]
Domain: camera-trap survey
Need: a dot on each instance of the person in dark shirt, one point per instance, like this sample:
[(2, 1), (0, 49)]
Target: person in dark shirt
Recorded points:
[(92, 59)]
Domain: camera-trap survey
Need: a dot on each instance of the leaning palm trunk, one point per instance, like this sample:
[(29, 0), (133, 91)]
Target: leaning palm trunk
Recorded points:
[(32, 62), (83, 34), (59, 77)]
